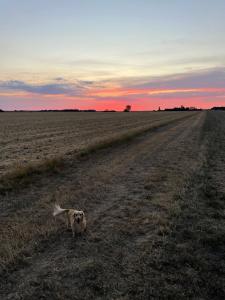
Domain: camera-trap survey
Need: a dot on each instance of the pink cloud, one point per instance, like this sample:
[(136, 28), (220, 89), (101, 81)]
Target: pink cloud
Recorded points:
[(201, 89)]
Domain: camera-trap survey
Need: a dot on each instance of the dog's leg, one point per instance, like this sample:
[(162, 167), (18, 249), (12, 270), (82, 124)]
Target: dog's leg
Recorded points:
[(73, 230), (84, 225), (71, 220)]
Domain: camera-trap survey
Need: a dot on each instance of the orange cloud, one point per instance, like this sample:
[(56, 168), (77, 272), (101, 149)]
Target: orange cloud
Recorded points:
[(120, 92), (202, 89)]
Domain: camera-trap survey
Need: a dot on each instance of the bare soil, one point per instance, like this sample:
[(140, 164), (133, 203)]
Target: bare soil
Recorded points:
[(155, 209), (30, 137)]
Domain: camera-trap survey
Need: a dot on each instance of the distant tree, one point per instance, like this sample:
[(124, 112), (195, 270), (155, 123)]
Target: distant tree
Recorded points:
[(127, 108), (1, 110), (218, 108)]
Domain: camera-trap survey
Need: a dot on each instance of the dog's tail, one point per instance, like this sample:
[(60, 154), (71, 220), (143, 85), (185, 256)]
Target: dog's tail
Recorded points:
[(58, 210)]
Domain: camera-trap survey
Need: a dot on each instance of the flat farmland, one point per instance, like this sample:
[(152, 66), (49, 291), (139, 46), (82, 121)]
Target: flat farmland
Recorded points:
[(30, 137), (155, 207)]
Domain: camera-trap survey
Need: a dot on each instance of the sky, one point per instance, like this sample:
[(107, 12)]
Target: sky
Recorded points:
[(106, 54)]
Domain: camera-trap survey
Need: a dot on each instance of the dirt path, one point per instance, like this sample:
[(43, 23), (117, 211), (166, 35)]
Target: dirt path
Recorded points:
[(131, 197)]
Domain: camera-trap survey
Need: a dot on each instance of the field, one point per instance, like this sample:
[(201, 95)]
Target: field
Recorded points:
[(31, 137), (152, 187)]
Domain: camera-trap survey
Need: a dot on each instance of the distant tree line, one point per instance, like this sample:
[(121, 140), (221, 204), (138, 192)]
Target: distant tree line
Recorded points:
[(68, 110), (58, 110), (109, 110), (182, 108), (218, 108)]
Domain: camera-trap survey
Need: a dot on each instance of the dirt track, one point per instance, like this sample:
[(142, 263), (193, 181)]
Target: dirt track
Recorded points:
[(132, 195)]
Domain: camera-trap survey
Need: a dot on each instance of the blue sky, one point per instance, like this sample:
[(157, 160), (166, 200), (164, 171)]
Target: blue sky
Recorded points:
[(107, 43)]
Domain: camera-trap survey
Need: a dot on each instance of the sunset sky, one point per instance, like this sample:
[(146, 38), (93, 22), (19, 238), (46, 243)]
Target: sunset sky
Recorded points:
[(105, 54)]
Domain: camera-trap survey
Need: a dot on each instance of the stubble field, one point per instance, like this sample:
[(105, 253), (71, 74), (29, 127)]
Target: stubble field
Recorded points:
[(30, 137), (152, 187)]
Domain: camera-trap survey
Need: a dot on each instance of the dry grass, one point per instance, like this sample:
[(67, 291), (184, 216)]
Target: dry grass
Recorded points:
[(22, 174), (18, 240), (28, 229), (156, 222)]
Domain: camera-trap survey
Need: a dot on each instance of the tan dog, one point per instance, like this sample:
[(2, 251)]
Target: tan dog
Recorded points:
[(75, 218)]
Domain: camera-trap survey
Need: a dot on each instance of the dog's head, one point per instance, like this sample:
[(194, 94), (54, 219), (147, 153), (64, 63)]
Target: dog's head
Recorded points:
[(78, 216)]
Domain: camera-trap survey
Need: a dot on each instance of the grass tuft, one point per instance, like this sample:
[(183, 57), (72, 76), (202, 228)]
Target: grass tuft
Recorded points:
[(22, 175)]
